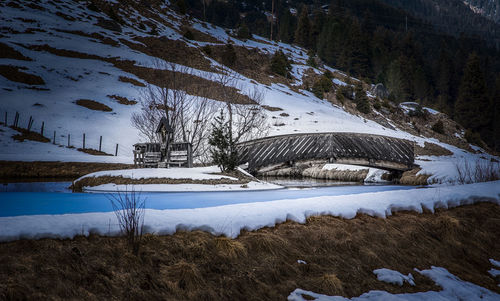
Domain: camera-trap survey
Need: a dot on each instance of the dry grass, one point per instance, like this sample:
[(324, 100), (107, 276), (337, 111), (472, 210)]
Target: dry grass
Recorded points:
[(13, 73), (411, 178), (260, 265), (272, 109), (431, 149), (31, 171), (93, 105), (29, 135), (122, 100), (93, 152), (131, 81), (8, 52)]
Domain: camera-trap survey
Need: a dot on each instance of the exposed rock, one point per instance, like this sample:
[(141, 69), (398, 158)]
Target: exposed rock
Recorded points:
[(380, 91)]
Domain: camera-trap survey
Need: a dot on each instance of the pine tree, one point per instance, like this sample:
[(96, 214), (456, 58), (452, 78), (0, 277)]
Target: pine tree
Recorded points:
[(280, 64), (361, 99), (228, 55), (223, 150), (472, 103), (303, 32)]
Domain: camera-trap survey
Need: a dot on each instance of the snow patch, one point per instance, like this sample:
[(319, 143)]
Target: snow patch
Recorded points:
[(394, 277)]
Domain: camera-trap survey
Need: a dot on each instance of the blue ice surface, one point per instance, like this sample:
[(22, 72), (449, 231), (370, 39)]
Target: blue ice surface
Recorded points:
[(60, 200)]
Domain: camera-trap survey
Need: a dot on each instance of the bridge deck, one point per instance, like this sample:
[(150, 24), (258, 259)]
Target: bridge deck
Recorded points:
[(361, 149)]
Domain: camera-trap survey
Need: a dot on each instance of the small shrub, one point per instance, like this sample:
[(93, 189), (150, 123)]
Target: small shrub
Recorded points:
[(479, 171), (376, 105), (228, 55), (181, 5), (280, 64), (328, 74), (339, 95), (473, 138), (311, 61), (321, 86), (244, 32), (207, 49), (438, 127), (188, 35), (361, 100), (142, 26), (129, 208), (418, 112)]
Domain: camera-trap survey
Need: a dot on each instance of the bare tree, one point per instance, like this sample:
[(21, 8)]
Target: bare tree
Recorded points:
[(189, 115), (246, 118), (129, 209)]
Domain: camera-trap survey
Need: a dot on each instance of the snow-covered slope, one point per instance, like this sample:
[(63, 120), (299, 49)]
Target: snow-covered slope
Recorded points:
[(80, 53)]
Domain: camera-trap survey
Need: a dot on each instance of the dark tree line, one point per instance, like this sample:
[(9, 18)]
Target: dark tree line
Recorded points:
[(379, 43)]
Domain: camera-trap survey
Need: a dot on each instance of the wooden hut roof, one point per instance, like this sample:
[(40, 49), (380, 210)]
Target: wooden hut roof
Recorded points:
[(164, 123)]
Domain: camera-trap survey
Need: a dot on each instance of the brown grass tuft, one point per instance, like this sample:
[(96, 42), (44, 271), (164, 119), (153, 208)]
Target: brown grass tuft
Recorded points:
[(229, 248), (272, 109), (12, 73), (93, 105), (93, 152), (29, 135), (8, 52), (131, 81), (329, 284), (122, 100), (264, 242), (186, 275)]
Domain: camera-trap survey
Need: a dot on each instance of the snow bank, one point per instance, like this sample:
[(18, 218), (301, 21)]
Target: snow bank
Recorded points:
[(394, 277), (454, 288), (231, 219), (195, 173), (251, 186), (374, 175)]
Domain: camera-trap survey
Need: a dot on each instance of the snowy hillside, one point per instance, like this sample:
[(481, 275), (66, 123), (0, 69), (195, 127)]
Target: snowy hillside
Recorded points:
[(80, 71)]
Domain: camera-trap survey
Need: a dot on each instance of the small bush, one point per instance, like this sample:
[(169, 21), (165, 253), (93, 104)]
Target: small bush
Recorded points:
[(244, 32), (280, 64), (376, 105), (129, 208), (419, 112), (207, 49), (311, 61), (473, 138), (361, 100), (339, 95), (438, 127), (321, 86), (189, 35), (328, 74), (228, 55), (479, 171)]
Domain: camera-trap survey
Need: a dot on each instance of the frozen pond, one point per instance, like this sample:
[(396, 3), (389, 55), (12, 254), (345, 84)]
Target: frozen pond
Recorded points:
[(55, 198)]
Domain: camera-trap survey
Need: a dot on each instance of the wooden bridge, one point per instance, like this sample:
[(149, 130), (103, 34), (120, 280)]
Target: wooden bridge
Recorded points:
[(347, 148)]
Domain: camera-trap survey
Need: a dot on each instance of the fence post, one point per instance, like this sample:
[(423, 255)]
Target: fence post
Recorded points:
[(54, 142), (30, 122), (100, 142), (69, 136), (83, 140), (41, 130), (116, 150), (16, 119)]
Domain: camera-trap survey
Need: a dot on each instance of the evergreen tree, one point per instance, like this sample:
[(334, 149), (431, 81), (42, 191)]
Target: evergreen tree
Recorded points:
[(361, 99), (280, 64), (472, 104), (496, 117), (303, 32), (287, 27), (222, 145), (244, 32), (228, 55)]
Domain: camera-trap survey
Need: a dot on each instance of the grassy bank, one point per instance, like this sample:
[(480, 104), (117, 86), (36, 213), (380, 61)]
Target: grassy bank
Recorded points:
[(11, 171), (260, 265)]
